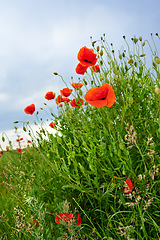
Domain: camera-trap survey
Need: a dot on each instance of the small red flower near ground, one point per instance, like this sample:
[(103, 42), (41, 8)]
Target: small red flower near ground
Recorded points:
[(21, 139), (80, 69), (79, 220), (2, 183), (63, 216), (1, 152), (19, 150), (77, 85), (30, 109), (52, 124), (128, 186), (50, 95), (29, 141), (96, 68), (77, 102), (101, 96), (87, 57), (36, 222), (17, 140), (66, 92)]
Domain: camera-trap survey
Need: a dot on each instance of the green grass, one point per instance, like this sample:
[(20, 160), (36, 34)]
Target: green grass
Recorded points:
[(83, 168)]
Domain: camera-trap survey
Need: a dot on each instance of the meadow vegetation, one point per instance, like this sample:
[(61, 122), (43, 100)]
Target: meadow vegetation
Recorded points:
[(98, 176)]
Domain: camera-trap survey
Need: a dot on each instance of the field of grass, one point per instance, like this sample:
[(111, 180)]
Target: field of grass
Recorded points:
[(98, 176)]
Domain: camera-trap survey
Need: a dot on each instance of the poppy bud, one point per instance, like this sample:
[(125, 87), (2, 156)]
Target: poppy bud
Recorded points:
[(140, 38), (45, 103), (130, 61), (120, 56), (157, 60), (80, 92), (93, 43), (142, 55), (55, 73), (143, 44), (101, 52), (85, 83), (28, 122), (157, 90), (135, 40), (24, 129), (15, 122), (97, 48), (35, 123), (135, 64), (41, 108), (3, 139), (156, 34), (101, 78), (7, 148), (115, 71)]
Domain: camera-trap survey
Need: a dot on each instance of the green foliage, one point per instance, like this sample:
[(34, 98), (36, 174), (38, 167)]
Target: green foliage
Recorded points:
[(86, 163)]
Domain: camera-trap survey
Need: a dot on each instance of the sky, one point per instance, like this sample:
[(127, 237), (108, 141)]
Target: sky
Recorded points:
[(40, 37)]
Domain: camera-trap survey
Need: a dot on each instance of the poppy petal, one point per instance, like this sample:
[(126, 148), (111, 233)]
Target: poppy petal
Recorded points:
[(87, 57), (80, 69), (101, 96)]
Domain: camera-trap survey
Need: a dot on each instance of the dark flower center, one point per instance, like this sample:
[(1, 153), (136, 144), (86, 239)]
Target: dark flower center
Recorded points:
[(87, 61)]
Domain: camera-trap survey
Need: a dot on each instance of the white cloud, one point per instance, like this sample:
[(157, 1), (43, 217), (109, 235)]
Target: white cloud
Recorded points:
[(12, 135)]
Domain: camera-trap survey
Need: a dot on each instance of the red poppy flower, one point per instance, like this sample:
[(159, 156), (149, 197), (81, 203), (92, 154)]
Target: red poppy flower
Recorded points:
[(1, 152), (78, 102), (52, 124), (128, 186), (30, 109), (36, 222), (2, 183), (20, 139), (66, 92), (59, 99), (79, 220), (29, 141), (19, 150), (80, 69), (77, 85), (63, 216), (50, 95), (96, 68), (65, 99), (101, 96), (87, 57)]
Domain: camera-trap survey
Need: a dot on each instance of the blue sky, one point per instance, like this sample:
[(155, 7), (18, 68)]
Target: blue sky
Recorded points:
[(39, 37)]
